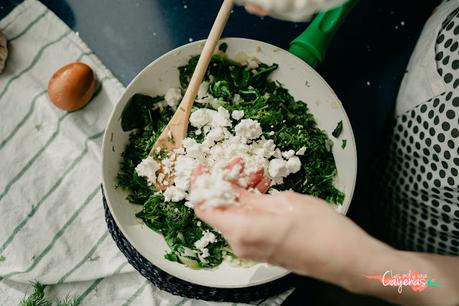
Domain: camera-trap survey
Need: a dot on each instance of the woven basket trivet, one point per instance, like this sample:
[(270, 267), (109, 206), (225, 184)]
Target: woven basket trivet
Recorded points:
[(174, 285)]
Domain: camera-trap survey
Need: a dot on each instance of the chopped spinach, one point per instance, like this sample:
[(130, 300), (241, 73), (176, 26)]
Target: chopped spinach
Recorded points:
[(237, 87), (338, 130), (343, 144), (139, 112), (223, 47)]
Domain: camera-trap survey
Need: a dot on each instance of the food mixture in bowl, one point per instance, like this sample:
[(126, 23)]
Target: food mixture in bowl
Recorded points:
[(245, 130)]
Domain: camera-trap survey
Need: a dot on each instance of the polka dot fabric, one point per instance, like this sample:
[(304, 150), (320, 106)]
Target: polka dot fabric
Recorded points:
[(447, 50), (420, 196)]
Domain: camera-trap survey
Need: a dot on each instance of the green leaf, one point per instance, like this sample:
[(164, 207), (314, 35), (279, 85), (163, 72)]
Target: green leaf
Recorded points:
[(139, 112), (223, 47), (338, 130), (37, 298)]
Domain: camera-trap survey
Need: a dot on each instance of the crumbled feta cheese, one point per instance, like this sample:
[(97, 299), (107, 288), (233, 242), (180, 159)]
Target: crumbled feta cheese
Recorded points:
[(207, 238), (205, 253), (248, 129), (147, 169), (173, 97), (277, 153), (237, 114), (219, 147), (278, 168), (221, 118), (288, 154), (253, 62), (244, 59), (199, 118), (193, 149), (213, 190), (329, 145), (293, 164), (203, 91), (206, 129), (174, 194), (269, 148), (184, 167), (301, 151), (216, 134)]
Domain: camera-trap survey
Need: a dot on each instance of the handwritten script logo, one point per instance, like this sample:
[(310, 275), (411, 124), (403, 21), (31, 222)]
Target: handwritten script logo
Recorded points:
[(415, 280)]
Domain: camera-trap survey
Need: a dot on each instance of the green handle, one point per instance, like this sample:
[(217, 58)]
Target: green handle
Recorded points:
[(311, 46)]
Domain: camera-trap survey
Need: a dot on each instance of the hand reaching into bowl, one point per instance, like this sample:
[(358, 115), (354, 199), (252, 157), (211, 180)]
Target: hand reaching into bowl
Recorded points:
[(307, 236)]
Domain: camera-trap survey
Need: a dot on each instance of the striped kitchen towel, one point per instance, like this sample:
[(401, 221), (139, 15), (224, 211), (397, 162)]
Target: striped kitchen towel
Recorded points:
[(52, 226)]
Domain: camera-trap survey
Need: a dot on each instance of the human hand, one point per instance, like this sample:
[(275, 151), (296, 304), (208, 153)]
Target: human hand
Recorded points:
[(301, 233), (292, 10)]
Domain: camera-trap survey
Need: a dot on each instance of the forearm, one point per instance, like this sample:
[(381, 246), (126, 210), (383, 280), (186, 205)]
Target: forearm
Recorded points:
[(350, 264), (443, 269)]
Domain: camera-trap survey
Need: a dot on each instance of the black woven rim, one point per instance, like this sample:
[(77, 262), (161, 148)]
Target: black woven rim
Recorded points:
[(183, 288)]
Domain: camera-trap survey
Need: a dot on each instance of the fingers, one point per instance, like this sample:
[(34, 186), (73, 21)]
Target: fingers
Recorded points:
[(225, 218), (256, 180), (256, 10), (198, 171), (222, 218), (234, 162), (256, 177), (264, 184)]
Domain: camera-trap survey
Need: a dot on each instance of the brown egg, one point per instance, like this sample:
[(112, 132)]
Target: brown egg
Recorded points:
[(72, 86)]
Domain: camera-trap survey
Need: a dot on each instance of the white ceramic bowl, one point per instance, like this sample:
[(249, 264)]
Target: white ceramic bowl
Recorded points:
[(302, 82)]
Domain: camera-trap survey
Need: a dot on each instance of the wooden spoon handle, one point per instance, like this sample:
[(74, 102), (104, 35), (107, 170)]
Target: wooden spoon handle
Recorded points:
[(204, 60), (177, 127)]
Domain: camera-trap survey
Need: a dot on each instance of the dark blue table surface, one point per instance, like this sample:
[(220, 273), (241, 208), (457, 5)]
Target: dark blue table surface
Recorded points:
[(365, 63)]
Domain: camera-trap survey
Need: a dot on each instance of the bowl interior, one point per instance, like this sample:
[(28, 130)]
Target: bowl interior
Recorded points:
[(303, 83)]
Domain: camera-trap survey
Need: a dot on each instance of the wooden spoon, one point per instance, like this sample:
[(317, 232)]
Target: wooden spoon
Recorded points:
[(176, 129)]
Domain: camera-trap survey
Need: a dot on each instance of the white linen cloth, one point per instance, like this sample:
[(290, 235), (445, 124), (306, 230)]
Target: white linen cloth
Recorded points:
[(52, 226), (422, 81)]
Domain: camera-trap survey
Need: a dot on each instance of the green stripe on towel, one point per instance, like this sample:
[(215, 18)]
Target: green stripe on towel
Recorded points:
[(56, 237), (35, 207), (28, 27), (85, 258), (94, 285), (34, 61), (34, 157), (136, 294), (23, 120)]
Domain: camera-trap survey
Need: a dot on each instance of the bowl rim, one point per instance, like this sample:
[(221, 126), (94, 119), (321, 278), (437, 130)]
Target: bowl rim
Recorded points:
[(350, 141)]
